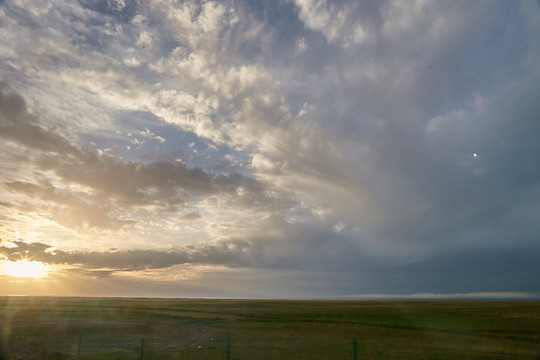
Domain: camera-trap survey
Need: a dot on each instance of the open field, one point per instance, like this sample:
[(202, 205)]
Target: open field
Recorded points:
[(113, 328)]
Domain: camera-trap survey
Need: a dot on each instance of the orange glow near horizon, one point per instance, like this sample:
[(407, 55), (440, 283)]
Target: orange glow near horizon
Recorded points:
[(24, 268)]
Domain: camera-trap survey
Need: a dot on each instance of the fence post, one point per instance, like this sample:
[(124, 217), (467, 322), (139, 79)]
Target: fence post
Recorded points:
[(142, 348), (79, 348), (228, 347), (355, 349)]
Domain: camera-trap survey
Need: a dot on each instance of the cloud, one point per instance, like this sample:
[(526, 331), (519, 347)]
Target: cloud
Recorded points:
[(313, 136), (333, 20), (69, 209), (235, 265), (126, 260), (36, 8), (117, 5), (149, 134), (91, 186), (21, 127)]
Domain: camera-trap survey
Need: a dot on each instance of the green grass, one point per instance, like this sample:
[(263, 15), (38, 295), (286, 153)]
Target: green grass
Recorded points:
[(112, 328)]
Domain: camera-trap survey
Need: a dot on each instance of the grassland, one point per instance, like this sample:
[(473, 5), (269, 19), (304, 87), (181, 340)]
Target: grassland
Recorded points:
[(112, 328)]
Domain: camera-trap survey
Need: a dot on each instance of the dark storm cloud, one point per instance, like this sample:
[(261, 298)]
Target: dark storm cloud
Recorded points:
[(483, 270)]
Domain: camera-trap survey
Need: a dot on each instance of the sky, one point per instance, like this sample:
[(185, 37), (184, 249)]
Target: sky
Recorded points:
[(270, 149)]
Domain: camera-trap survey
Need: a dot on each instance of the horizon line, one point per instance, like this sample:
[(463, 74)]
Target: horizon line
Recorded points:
[(351, 297)]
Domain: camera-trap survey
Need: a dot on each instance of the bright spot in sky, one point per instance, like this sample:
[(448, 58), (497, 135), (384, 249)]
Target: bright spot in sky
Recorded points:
[(475, 154), (24, 268)]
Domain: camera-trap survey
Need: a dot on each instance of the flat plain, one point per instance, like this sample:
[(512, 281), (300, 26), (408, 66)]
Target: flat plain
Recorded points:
[(134, 328)]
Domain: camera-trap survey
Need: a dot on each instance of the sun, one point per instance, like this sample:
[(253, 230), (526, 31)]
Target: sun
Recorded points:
[(24, 268)]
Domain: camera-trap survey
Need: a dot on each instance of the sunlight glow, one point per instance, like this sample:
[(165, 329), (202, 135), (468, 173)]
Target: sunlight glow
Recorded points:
[(24, 268)]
